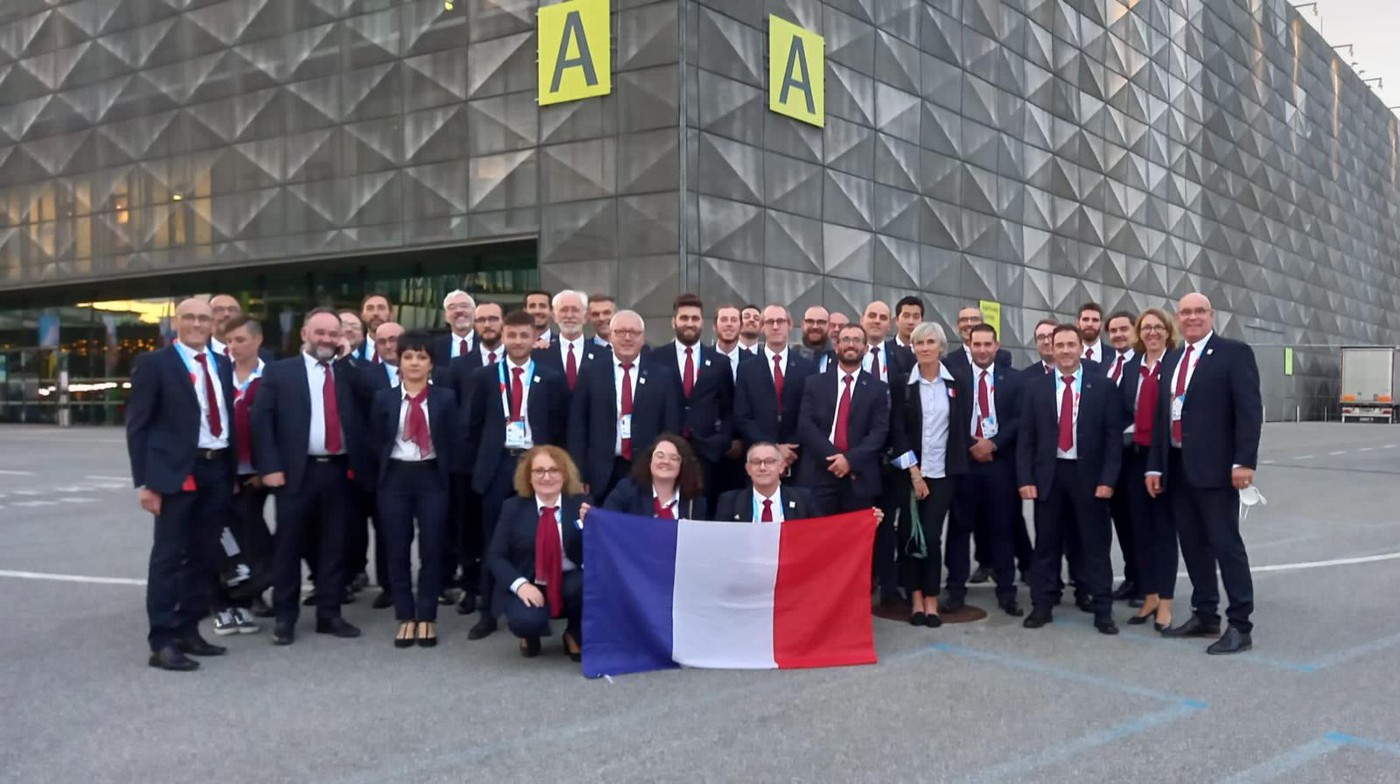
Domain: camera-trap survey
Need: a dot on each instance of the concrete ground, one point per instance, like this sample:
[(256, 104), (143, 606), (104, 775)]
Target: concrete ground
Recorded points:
[(1317, 699)]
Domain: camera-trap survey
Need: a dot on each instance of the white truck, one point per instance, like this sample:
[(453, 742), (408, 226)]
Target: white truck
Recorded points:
[(1369, 383)]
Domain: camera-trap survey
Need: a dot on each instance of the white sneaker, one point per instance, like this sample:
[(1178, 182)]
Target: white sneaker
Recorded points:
[(244, 621), (225, 623)]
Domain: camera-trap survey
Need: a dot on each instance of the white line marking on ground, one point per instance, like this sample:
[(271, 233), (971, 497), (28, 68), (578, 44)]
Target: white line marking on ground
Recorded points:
[(16, 473), (71, 578), (108, 478), (1303, 457), (1390, 446), (1367, 449), (1338, 452), (1290, 567)]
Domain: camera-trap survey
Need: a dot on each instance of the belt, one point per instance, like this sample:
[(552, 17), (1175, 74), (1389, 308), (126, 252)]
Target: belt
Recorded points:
[(516, 452), (429, 463), (325, 458), (209, 454)]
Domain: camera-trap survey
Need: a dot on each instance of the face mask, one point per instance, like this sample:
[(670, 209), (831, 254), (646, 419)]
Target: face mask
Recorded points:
[(1250, 496)]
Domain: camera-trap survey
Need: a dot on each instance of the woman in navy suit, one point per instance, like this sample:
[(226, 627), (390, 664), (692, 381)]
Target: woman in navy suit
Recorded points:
[(673, 475), (536, 554), (1151, 518), (414, 426)]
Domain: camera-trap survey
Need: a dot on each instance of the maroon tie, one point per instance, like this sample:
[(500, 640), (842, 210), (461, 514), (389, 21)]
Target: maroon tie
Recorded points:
[(688, 378), (571, 368), (463, 348), (491, 358), (767, 511), (1181, 371), (983, 402), (216, 420), (1118, 368), (660, 510), (1146, 407), (843, 419), (517, 393), (875, 362), (415, 427), (549, 560), (626, 408), (375, 358), (1047, 370), (334, 444), (243, 421), (1067, 415), (1088, 353), (778, 380)]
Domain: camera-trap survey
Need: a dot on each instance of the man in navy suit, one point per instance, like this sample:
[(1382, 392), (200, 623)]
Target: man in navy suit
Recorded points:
[(706, 383), (1205, 447), (816, 343), (538, 304), (1090, 324), (570, 350), (1121, 336), (308, 439), (986, 499), (766, 499), (601, 308), (459, 309), (180, 439), (1067, 460), (370, 378), (886, 359), (516, 404), (620, 407), (962, 360), (843, 426), (768, 394), (226, 308), (374, 312)]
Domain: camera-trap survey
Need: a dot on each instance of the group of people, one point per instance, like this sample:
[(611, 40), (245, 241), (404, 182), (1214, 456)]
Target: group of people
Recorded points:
[(490, 442)]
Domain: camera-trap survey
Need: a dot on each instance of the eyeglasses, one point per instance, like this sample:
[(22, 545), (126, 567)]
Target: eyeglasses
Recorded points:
[(665, 457), (627, 333), (545, 473), (1153, 328), (851, 341), (1044, 338), (198, 318), (774, 322), (763, 462)]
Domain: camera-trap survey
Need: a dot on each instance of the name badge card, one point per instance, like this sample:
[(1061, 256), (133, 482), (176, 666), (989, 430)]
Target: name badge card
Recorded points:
[(1177, 403), (989, 427), (515, 435), (624, 426)]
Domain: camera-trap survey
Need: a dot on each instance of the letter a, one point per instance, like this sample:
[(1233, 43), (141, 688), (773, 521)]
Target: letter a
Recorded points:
[(797, 57), (573, 26)]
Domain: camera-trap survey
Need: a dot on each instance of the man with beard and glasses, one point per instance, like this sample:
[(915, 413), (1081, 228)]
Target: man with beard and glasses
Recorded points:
[(768, 394), (816, 343), (706, 383), (459, 310)]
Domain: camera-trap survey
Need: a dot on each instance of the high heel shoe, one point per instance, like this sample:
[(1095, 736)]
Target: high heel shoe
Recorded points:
[(1143, 616), (427, 634), (404, 638), (570, 644)]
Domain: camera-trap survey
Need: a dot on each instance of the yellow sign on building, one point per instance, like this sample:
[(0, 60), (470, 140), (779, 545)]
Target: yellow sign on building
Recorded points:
[(796, 72), (991, 314), (575, 50)]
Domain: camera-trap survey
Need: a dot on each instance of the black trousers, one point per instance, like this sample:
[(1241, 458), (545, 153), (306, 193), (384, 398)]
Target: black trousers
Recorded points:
[(185, 553), (319, 505), (414, 492), (525, 621), (620, 468), (363, 510), (838, 496), (1208, 523), (986, 500), (465, 548), (894, 503), (501, 487), (1123, 526), (1020, 539), (923, 574), (1154, 533), (248, 526), (1070, 508)]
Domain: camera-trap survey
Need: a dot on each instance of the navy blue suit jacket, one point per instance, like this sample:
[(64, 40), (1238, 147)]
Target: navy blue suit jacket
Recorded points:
[(1098, 435), (708, 412), (592, 426), (282, 422), (907, 421), (756, 416), (626, 497), (1007, 387), (459, 375), (511, 554), (485, 427), (552, 358), (1221, 420), (737, 505), (956, 359), (869, 428), (162, 420), (441, 349), (442, 424)]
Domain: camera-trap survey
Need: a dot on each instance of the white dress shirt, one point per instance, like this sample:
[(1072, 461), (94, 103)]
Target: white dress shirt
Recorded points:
[(1096, 347), (617, 398), (777, 505), (1197, 351), (569, 566), (841, 376), (1127, 354), (315, 381), (733, 355), (674, 503), (498, 352), (455, 343), (869, 358), (1062, 389), (753, 348), (407, 451), (563, 347), (933, 432), (507, 368), (991, 374), (694, 358), (769, 354), (207, 439), (218, 346)]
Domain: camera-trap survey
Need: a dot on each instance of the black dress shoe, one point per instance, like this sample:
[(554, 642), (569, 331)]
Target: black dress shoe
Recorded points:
[(1084, 603), (1105, 624), (569, 644), (916, 619), (1136, 602), (1193, 627), (483, 629), (1025, 576), (1232, 641), (309, 600), (171, 658), (403, 638), (338, 627), (284, 634), (1012, 608), (1139, 620), (1039, 617), (359, 582), (383, 600), (1125, 590), (952, 604), (529, 647), (427, 637), (932, 621), (468, 604), (198, 646), (982, 575), (260, 608)]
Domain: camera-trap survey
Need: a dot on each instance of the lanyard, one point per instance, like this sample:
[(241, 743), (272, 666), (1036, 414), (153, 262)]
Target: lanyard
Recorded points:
[(777, 500), (524, 387)]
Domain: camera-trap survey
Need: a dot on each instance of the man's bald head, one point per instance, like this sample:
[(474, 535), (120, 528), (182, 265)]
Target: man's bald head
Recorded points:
[(876, 321), (1195, 316), (225, 308), (386, 341), (194, 322)]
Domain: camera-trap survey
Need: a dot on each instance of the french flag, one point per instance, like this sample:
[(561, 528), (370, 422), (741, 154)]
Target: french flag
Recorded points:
[(666, 593)]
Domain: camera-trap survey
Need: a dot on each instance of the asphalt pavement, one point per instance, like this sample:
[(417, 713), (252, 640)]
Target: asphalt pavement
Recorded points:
[(1317, 699)]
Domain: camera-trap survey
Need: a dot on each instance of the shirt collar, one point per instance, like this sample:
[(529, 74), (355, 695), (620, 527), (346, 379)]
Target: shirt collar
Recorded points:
[(499, 350), (257, 371), (770, 354), (310, 361), (511, 363), (674, 500), (775, 497), (1201, 344), (1127, 354), (617, 363), (1076, 375), (680, 351), (943, 375), (404, 395), (558, 507), (190, 352)]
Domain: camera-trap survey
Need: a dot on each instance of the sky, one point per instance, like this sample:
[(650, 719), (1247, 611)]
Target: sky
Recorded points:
[(1373, 28)]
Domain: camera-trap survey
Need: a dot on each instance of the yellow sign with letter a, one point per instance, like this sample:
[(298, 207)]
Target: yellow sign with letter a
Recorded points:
[(796, 72), (991, 314), (575, 51)]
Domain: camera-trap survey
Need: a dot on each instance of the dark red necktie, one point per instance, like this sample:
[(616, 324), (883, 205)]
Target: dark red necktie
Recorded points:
[(415, 428), (875, 361), (778, 380), (1067, 415), (1088, 353), (688, 378), (334, 443), (767, 516), (517, 393), (843, 419), (571, 368), (549, 560), (1146, 412), (491, 358), (211, 399), (626, 408), (1181, 371), (984, 405), (660, 510), (463, 348), (1047, 370), (375, 358), (243, 421), (1118, 368)]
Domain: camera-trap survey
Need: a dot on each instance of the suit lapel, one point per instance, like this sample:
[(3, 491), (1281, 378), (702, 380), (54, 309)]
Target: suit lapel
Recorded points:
[(182, 373)]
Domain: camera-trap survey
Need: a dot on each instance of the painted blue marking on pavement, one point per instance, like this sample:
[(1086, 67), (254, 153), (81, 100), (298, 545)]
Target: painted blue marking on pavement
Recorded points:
[(1031, 665)]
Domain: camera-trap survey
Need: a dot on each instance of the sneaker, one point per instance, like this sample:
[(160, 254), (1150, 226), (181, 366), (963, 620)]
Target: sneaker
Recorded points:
[(245, 622), (225, 623)]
